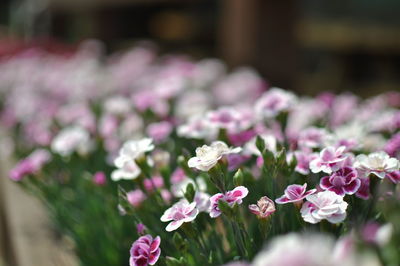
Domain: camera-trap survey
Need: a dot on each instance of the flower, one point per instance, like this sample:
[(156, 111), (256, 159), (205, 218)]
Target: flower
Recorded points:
[(154, 183), (99, 178), (363, 191), (394, 176), (274, 101), (295, 193), (230, 118), (71, 139), (310, 250), (145, 251), (344, 181), (133, 149), (377, 163), (159, 131), (197, 127), (129, 170), (330, 159), (125, 162), (264, 208), (181, 212), (324, 205), (30, 165), (374, 233), (312, 137), (208, 156), (135, 197), (231, 197), (303, 161), (140, 228), (202, 200), (392, 147)]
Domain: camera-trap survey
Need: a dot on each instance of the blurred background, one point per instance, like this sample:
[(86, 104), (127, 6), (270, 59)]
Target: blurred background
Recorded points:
[(306, 46)]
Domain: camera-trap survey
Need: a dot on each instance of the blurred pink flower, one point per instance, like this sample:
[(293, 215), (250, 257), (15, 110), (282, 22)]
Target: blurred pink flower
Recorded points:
[(154, 183), (135, 197), (231, 197), (145, 251), (159, 131), (30, 165), (99, 178)]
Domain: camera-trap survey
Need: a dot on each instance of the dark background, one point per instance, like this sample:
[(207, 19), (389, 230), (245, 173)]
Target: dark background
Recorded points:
[(307, 46)]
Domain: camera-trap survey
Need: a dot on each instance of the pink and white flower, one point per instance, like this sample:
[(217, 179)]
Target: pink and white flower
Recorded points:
[(135, 197), (208, 156), (274, 101), (312, 137), (295, 193), (264, 207), (303, 161), (145, 251), (159, 131), (30, 165), (377, 163), (231, 197), (342, 182), (181, 212), (330, 159), (325, 205), (71, 139)]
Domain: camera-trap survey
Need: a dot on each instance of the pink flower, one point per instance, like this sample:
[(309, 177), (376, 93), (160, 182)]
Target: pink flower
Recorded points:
[(159, 131), (145, 251), (140, 228), (324, 205), (312, 137), (181, 212), (295, 193), (153, 183), (392, 147), (344, 181), (394, 176), (363, 191), (264, 208), (231, 197), (374, 233), (274, 101), (303, 161), (135, 197), (99, 178), (330, 159), (30, 165)]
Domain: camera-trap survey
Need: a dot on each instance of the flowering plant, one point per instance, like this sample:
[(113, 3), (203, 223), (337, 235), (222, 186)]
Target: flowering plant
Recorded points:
[(117, 150)]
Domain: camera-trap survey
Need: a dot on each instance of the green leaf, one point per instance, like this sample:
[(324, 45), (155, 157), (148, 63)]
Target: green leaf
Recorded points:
[(190, 191), (238, 178)]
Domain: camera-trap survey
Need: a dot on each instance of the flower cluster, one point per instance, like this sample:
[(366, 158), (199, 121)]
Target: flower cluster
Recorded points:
[(216, 164)]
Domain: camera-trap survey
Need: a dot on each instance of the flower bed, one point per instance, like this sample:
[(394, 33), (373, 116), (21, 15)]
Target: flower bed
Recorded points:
[(184, 163)]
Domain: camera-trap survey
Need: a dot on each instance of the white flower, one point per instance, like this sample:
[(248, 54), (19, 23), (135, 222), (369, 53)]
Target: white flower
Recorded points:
[(118, 105), (324, 205), (128, 170), (208, 156), (197, 127), (125, 162), (71, 139), (377, 163)]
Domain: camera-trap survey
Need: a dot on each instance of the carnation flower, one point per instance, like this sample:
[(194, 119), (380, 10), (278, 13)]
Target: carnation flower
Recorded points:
[(264, 207), (231, 197), (324, 205), (394, 176), (377, 163), (198, 128), (99, 178), (208, 156), (71, 139), (181, 212), (125, 162), (312, 137), (392, 147), (128, 170), (295, 193), (274, 101), (229, 118), (135, 197), (202, 199), (30, 165), (344, 181), (303, 161), (363, 191), (159, 131), (330, 159), (145, 251)]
